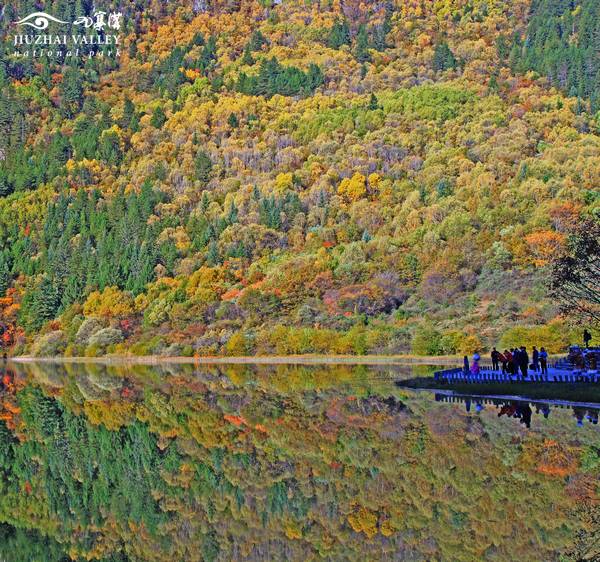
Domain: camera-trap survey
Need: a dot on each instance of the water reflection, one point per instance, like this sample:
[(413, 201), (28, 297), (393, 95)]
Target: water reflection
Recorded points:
[(522, 410), (171, 463)]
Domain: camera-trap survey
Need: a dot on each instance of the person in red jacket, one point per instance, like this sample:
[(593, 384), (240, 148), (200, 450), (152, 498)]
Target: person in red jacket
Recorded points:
[(508, 358), (503, 361)]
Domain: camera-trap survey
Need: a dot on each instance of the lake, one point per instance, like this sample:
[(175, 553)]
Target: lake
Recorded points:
[(189, 463)]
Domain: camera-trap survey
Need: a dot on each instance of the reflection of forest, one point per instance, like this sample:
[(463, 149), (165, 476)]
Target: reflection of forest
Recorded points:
[(274, 463)]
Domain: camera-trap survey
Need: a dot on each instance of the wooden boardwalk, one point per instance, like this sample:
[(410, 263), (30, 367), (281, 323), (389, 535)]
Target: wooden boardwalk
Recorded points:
[(487, 375)]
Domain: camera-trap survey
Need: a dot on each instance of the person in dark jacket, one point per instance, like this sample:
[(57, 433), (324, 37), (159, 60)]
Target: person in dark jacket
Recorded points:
[(516, 361), (466, 366), (495, 359), (523, 360), (535, 359)]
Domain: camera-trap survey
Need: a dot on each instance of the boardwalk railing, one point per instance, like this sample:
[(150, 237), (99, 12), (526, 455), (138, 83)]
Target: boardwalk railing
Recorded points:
[(488, 375)]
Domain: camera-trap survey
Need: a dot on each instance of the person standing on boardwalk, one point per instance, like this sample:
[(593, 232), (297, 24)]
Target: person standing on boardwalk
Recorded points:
[(504, 359), (544, 361), (475, 364), (516, 361), (587, 338), (495, 359), (465, 366), (535, 359), (523, 360)]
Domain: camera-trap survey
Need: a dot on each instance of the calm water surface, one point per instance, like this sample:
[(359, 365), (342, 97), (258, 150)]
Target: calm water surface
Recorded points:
[(184, 463)]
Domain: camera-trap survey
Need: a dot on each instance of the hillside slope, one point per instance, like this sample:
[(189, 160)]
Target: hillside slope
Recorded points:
[(303, 177)]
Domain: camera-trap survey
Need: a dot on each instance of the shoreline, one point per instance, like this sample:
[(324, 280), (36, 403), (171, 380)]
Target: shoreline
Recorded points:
[(250, 360)]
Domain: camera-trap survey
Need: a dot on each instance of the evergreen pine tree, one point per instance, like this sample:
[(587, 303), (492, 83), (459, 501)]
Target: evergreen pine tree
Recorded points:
[(133, 50), (46, 302), (380, 34), (339, 34), (71, 90), (315, 77), (209, 54), (168, 254), (203, 167), (198, 40), (5, 276), (128, 113), (212, 256), (233, 121), (493, 84), (158, 117), (443, 58), (502, 48), (58, 153), (6, 186), (373, 103), (205, 201), (361, 51), (257, 40), (247, 57), (109, 148)]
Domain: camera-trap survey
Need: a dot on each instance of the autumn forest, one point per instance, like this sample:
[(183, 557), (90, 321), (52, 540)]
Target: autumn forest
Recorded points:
[(316, 176)]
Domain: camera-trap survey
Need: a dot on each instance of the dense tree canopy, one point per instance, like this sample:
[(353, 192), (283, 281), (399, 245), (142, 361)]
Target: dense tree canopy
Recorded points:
[(299, 177)]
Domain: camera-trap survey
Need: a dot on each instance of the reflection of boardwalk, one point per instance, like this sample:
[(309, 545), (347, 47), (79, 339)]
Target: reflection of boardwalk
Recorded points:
[(488, 375), (451, 396), (523, 410)]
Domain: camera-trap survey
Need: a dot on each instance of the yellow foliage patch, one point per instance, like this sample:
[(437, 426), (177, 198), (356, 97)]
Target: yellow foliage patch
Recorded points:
[(363, 520)]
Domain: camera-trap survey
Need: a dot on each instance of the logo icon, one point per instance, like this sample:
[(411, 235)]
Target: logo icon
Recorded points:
[(41, 20)]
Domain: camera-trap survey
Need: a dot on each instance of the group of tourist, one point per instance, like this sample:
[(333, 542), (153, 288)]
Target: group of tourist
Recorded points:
[(513, 361)]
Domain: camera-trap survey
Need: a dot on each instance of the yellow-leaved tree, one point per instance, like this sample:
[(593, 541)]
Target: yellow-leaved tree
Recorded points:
[(353, 188), (110, 303)]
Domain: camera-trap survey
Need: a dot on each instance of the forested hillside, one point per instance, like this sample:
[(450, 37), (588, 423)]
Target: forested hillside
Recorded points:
[(307, 176)]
